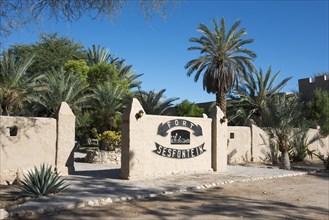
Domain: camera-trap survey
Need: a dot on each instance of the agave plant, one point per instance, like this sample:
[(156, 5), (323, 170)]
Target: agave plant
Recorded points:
[(42, 182)]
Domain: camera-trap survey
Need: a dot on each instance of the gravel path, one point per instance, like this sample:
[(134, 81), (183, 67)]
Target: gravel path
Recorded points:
[(95, 185), (302, 197)]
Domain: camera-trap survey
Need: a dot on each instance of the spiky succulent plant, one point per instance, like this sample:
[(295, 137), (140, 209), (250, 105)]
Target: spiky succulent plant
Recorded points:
[(41, 182)]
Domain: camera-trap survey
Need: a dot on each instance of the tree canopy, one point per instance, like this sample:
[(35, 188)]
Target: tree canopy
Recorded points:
[(282, 115), (15, 86), (256, 89), (60, 87), (189, 109), (50, 52), (155, 102), (15, 14), (223, 58), (35, 78), (318, 110)]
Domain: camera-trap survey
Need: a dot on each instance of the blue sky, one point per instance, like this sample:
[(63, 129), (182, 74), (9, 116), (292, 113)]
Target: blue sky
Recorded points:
[(290, 36)]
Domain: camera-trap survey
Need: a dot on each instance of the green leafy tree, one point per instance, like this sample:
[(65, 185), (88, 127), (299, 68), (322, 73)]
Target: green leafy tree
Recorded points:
[(102, 73), (60, 87), (155, 102), (223, 59), (281, 116), (101, 56), (189, 109), (15, 86), (256, 88), (50, 52), (79, 68), (318, 110)]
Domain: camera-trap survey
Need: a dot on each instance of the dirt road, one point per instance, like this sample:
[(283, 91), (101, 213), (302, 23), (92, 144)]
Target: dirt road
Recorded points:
[(304, 197)]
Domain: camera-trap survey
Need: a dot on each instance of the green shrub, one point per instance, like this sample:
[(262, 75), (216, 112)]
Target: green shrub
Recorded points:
[(298, 146), (300, 142), (318, 110), (111, 139), (42, 182), (324, 159), (189, 109)]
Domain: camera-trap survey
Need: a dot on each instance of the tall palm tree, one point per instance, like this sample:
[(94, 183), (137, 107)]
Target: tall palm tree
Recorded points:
[(60, 87), (256, 89), (155, 102), (97, 56), (223, 59), (15, 86)]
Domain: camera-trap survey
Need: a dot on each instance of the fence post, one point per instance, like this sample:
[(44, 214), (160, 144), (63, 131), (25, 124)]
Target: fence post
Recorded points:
[(64, 158), (132, 137), (219, 141)]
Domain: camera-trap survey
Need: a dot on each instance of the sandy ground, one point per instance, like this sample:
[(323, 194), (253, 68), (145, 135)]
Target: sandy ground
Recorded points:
[(304, 197)]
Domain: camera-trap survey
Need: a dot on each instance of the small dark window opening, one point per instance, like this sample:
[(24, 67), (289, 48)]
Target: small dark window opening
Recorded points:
[(13, 131), (231, 135)]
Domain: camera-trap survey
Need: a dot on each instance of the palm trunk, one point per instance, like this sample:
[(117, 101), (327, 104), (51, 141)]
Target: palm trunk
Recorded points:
[(221, 100), (285, 161), (5, 110), (274, 154)]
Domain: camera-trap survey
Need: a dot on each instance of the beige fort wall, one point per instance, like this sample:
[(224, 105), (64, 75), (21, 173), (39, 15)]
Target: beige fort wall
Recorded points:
[(250, 144), (34, 142), (145, 152), (26, 142), (321, 146), (239, 144), (141, 156)]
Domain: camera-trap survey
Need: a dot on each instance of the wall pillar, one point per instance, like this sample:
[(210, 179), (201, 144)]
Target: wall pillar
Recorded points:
[(219, 141), (64, 158), (132, 139)]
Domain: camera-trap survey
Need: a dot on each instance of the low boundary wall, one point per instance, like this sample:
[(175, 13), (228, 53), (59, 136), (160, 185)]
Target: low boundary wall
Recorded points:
[(162, 145), (250, 144), (26, 142)]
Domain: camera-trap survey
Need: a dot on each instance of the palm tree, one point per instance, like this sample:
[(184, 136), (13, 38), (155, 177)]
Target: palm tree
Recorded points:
[(97, 56), (223, 59), (60, 87), (155, 102), (126, 73), (300, 142), (108, 103), (281, 116), (15, 86), (256, 89)]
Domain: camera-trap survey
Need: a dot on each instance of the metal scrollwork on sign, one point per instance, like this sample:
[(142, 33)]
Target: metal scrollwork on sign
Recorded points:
[(179, 137)]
